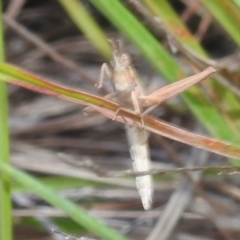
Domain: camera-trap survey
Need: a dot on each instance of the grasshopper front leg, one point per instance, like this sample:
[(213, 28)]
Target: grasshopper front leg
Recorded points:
[(104, 69)]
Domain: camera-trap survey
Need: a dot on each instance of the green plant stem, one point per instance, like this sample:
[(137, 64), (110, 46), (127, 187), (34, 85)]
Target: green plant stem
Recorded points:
[(76, 213), (227, 14), (5, 191), (85, 22)]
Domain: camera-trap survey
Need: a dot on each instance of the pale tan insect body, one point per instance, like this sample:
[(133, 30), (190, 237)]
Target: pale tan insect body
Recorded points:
[(128, 93)]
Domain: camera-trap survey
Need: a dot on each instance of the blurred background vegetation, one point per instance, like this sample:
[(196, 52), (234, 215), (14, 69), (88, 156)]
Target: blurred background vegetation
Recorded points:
[(66, 41)]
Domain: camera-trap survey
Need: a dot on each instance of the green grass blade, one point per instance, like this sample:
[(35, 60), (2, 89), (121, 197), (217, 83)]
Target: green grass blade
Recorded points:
[(227, 14), (223, 98), (5, 191), (87, 25), (60, 183), (119, 16), (237, 2), (164, 10), (75, 212)]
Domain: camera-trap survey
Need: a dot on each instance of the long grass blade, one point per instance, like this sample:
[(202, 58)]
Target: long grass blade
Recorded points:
[(5, 190), (108, 108), (76, 213), (87, 25), (224, 100)]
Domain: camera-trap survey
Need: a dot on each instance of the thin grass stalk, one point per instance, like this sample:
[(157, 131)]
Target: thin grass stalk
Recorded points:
[(227, 15), (5, 190), (224, 100), (86, 23), (75, 212)]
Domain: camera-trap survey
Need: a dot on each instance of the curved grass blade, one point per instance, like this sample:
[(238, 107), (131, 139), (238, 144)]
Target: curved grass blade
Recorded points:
[(31, 81), (75, 212), (87, 25), (108, 108), (224, 99), (227, 14)]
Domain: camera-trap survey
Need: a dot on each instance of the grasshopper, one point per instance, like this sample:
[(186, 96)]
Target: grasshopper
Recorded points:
[(129, 94)]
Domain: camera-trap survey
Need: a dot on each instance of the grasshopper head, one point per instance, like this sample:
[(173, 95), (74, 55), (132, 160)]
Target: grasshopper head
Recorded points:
[(120, 59)]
